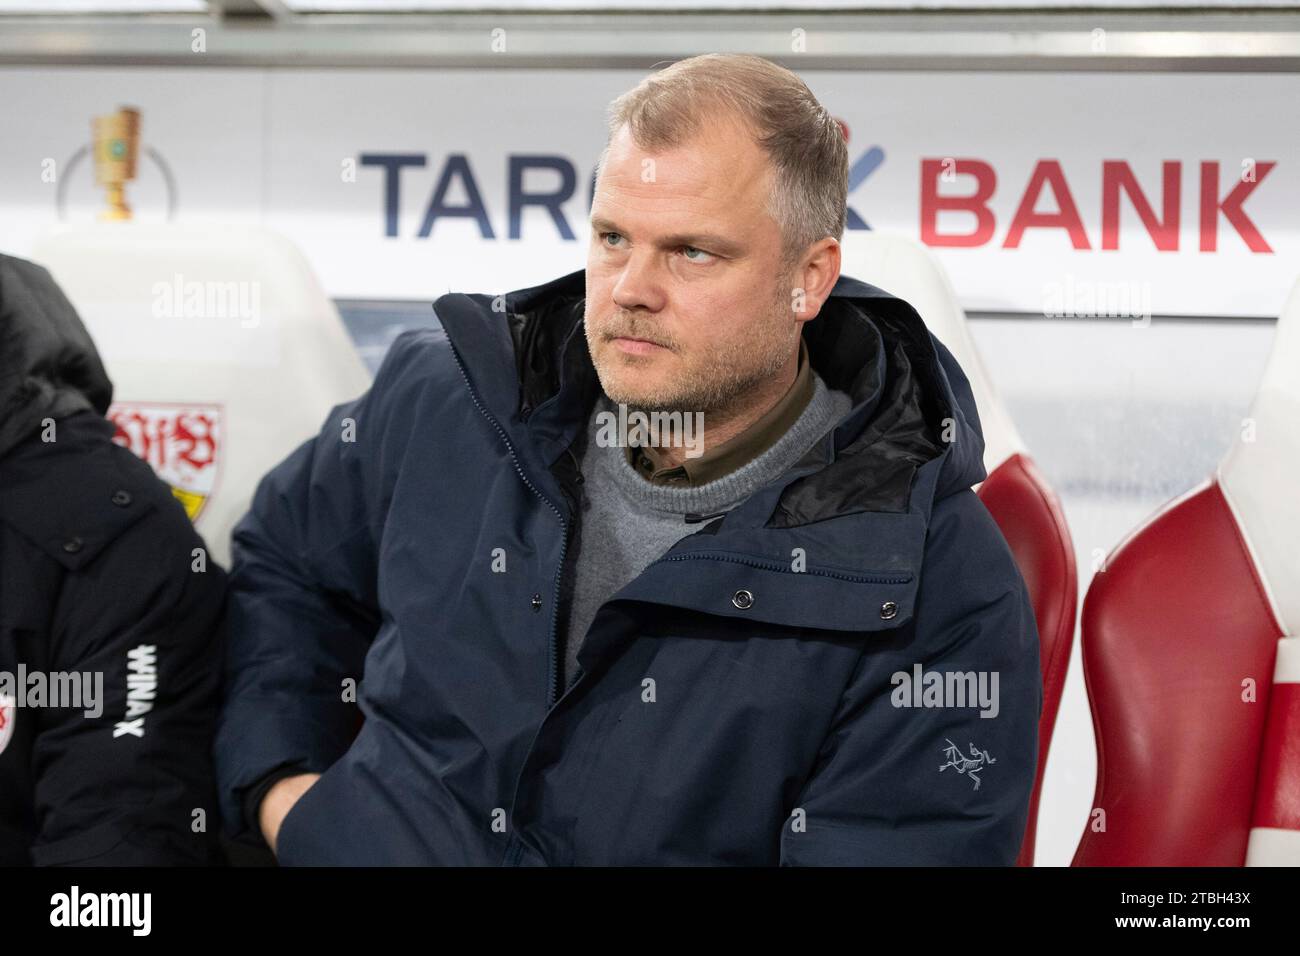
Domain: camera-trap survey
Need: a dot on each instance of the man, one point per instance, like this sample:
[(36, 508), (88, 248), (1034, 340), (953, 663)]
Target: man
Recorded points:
[(565, 648), (110, 616)]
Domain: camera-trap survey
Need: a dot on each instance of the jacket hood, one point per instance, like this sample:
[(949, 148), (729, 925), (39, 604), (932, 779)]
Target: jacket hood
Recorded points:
[(49, 367), (913, 415)]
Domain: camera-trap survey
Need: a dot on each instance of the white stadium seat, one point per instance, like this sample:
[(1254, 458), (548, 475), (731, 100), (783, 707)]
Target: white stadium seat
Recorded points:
[(224, 352)]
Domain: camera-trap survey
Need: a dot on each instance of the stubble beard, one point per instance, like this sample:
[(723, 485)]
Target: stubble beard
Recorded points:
[(715, 384)]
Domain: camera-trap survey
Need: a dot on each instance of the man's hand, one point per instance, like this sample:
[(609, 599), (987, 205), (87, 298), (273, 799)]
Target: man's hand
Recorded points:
[(279, 800)]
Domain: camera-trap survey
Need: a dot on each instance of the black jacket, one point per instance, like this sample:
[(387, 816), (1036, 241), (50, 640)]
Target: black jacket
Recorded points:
[(100, 581)]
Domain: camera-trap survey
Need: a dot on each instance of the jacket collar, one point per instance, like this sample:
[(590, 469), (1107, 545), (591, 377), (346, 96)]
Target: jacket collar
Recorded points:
[(911, 436), (526, 356)]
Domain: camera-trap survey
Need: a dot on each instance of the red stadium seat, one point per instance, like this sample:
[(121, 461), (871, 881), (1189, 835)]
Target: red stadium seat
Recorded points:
[(1190, 658), (1034, 525)]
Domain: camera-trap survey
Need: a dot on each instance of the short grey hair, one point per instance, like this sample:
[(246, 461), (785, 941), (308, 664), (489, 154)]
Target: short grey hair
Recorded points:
[(804, 143)]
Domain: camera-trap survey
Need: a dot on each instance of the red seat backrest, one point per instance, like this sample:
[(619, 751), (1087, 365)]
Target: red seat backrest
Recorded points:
[(1031, 519), (1177, 630)]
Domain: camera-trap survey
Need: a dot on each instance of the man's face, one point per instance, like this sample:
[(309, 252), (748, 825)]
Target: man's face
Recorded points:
[(684, 256)]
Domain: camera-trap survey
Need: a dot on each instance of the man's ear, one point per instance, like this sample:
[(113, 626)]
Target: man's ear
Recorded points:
[(815, 277)]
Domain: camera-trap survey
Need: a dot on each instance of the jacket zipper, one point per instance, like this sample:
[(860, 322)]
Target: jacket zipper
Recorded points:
[(863, 578), (558, 691), (554, 675)]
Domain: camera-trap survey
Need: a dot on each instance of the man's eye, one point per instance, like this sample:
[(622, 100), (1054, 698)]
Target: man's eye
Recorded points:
[(700, 251), (606, 235)]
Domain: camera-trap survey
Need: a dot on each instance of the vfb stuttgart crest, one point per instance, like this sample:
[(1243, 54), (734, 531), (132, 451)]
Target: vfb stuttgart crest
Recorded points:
[(182, 442)]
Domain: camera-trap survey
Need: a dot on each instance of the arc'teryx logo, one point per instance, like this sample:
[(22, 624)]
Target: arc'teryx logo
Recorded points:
[(972, 765), (142, 685)]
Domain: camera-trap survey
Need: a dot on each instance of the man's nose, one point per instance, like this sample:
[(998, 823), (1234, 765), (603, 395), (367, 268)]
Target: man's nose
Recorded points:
[(640, 283)]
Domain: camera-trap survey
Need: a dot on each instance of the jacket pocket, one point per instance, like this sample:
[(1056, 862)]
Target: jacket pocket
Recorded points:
[(757, 588), (292, 843)]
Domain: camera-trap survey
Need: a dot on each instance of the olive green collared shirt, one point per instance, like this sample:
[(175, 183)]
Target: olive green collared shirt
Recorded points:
[(648, 461)]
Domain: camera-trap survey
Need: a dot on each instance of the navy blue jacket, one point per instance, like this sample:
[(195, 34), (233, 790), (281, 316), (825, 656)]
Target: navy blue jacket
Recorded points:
[(699, 728)]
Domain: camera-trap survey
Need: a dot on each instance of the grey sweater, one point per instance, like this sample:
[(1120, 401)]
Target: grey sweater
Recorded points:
[(628, 521)]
